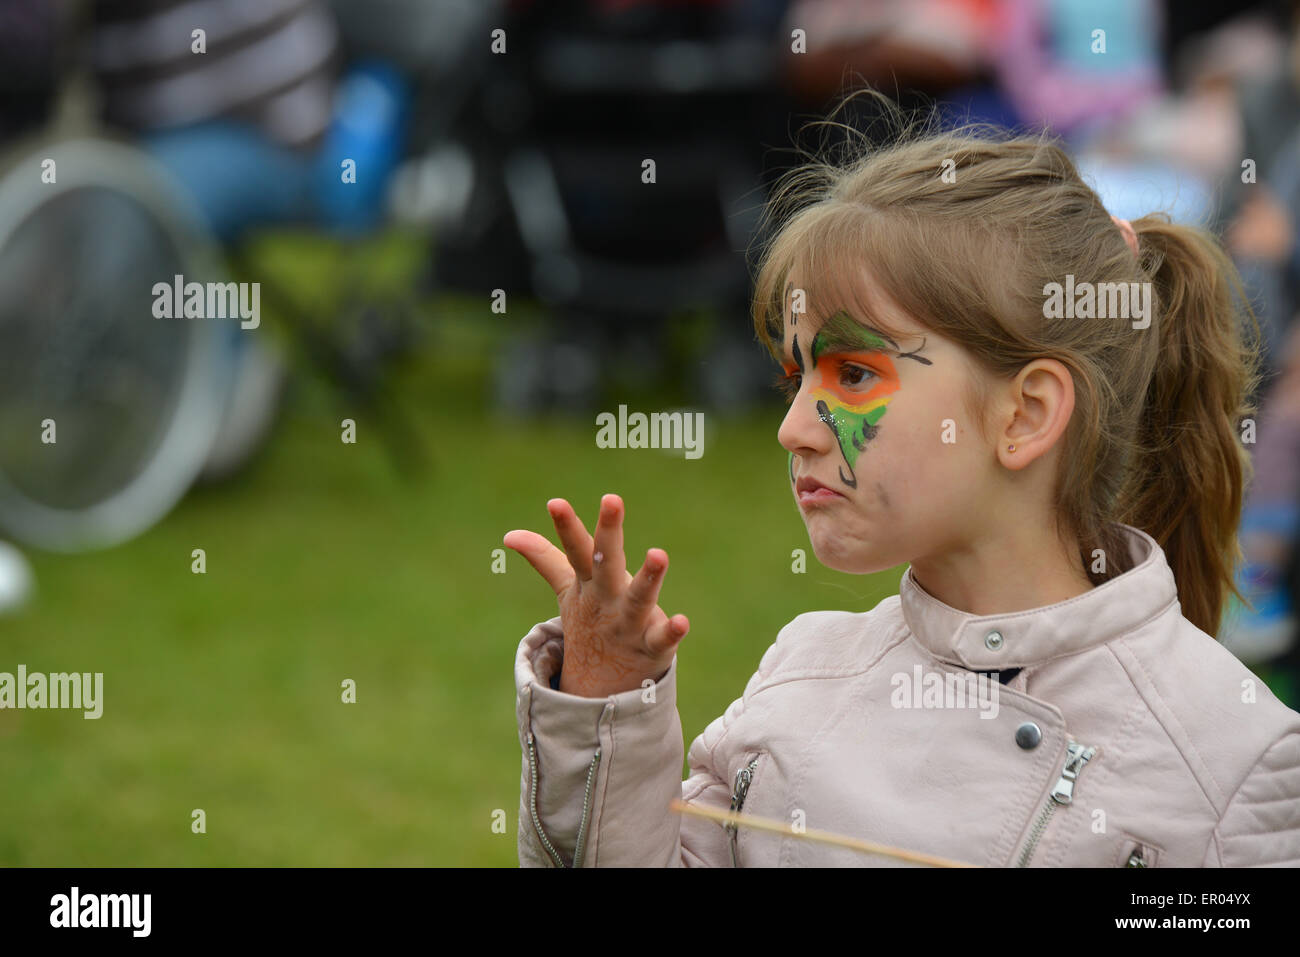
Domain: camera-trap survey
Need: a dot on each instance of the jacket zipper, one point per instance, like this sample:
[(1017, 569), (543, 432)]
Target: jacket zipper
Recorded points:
[(586, 808), (586, 811), (1076, 756), (743, 779)]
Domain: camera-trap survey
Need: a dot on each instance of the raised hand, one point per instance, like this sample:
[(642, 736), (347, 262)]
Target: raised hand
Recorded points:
[(615, 634)]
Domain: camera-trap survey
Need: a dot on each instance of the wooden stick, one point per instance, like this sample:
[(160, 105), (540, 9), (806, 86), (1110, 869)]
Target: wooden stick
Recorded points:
[(823, 837)]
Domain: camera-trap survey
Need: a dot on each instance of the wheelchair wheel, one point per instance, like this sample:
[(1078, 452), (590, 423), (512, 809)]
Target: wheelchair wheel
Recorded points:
[(107, 414)]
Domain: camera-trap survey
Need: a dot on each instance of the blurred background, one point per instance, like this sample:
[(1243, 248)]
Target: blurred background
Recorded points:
[(459, 265)]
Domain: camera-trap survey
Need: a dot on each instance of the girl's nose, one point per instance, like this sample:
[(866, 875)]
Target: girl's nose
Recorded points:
[(802, 431)]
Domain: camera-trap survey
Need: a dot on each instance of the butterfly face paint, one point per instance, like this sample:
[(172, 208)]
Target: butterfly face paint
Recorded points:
[(853, 381)]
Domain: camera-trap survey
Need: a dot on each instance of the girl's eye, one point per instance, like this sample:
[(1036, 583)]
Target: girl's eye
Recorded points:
[(851, 375), (788, 384)]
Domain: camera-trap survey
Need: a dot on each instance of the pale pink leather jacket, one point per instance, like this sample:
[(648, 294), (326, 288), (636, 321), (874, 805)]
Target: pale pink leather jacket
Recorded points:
[(1130, 738)]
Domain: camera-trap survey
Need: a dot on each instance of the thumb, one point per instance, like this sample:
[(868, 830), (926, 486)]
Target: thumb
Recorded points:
[(551, 563)]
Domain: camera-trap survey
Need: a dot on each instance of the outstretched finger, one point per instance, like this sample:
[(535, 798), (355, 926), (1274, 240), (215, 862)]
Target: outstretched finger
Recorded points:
[(577, 543), (609, 565), (549, 561), (663, 636), (643, 591)]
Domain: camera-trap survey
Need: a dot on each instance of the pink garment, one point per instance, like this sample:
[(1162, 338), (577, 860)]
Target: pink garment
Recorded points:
[(1129, 738), (1276, 451), (1276, 460), (1045, 91)]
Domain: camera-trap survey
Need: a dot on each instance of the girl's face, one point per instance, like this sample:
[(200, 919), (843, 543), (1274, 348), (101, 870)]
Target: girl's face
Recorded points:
[(883, 425)]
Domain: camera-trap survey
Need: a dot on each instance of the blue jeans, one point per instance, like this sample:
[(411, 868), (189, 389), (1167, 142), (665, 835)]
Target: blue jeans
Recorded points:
[(237, 177)]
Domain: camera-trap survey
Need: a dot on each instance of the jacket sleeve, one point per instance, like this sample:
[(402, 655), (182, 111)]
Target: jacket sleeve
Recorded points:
[(599, 773), (1261, 825)]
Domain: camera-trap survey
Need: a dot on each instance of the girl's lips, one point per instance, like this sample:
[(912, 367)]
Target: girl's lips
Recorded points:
[(818, 496)]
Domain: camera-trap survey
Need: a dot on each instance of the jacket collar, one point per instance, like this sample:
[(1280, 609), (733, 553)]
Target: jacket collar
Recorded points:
[(1108, 611)]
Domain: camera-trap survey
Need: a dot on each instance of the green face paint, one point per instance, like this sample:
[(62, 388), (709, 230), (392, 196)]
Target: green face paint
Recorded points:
[(840, 333), (843, 348), (846, 349)]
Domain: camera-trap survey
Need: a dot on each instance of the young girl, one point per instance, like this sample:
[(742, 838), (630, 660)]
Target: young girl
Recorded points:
[(1037, 407)]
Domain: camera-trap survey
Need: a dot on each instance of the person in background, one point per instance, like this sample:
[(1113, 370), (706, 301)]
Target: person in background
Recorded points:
[(237, 114), (1260, 214)]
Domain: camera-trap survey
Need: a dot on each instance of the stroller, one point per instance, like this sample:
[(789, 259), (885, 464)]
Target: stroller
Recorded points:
[(617, 181)]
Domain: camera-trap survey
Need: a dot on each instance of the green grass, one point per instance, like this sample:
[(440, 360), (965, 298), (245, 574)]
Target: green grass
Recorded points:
[(222, 690)]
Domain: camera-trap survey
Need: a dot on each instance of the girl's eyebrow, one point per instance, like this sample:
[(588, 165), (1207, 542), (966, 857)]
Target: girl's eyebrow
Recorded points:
[(842, 333)]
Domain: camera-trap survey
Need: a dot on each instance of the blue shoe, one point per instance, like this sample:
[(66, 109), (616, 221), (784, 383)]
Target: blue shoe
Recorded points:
[(1267, 632)]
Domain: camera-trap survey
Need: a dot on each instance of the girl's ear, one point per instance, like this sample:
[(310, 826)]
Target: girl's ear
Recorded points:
[(1040, 400)]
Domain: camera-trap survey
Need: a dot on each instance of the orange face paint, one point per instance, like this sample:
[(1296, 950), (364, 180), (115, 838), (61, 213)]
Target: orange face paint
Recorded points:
[(844, 349)]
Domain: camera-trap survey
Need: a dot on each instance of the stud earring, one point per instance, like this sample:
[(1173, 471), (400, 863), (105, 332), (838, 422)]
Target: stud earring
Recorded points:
[(1011, 448)]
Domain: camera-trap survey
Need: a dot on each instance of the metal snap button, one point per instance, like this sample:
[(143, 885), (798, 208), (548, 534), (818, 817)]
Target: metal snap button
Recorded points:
[(993, 640), (1028, 735)]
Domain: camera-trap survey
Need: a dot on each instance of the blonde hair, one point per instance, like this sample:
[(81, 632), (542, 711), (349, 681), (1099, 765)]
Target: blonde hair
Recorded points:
[(1153, 438)]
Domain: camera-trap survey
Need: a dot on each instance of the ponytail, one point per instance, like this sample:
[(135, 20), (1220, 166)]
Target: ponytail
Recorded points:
[(1190, 478)]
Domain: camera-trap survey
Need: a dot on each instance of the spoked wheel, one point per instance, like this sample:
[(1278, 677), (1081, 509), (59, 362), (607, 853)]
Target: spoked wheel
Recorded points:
[(107, 414)]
